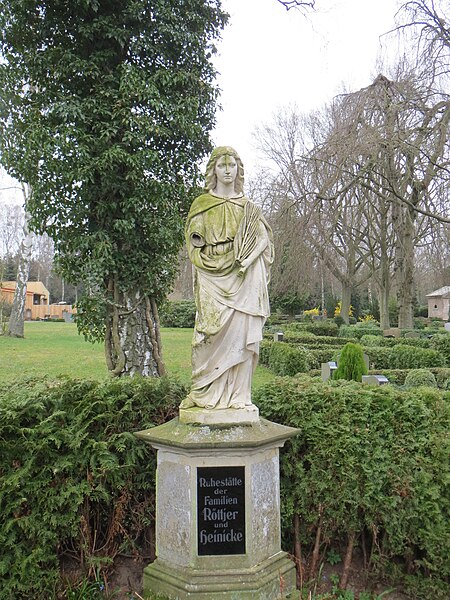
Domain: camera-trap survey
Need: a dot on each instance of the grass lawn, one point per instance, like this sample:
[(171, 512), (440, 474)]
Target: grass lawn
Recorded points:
[(56, 349)]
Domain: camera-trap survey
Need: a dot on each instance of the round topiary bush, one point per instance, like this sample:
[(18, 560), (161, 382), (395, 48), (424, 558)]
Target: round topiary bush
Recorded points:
[(419, 377), (351, 365)]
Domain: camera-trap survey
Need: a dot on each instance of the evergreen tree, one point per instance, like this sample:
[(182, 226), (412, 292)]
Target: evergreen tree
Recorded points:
[(105, 112), (351, 365)]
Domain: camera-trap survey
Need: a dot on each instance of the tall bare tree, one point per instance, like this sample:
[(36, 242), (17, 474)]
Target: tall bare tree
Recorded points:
[(17, 317)]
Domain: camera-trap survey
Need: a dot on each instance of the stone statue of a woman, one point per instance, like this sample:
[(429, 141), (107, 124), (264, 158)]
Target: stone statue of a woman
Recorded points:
[(231, 248)]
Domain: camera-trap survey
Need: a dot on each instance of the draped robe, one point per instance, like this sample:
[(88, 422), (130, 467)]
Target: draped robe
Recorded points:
[(221, 234)]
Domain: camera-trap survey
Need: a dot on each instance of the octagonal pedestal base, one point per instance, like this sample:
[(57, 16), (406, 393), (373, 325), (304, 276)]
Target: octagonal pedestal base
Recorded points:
[(218, 513)]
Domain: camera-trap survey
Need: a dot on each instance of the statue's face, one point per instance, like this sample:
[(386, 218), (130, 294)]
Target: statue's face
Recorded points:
[(226, 169)]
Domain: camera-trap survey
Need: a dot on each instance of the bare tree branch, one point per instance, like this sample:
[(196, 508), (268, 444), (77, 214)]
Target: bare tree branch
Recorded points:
[(288, 4)]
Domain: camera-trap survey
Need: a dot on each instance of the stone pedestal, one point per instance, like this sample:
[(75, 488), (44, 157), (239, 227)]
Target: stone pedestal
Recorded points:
[(218, 512)]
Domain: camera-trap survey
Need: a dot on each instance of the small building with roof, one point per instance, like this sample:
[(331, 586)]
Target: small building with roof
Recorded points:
[(37, 302), (439, 303)]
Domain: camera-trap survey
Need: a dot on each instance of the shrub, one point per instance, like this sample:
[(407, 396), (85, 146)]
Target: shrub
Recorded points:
[(286, 360), (379, 357), (358, 330), (409, 357), (295, 326), (339, 320), (398, 376), (441, 343), (264, 351), (74, 477), (376, 340), (351, 365), (419, 377), (299, 337), (180, 313), (320, 355), (370, 462), (309, 339), (327, 328)]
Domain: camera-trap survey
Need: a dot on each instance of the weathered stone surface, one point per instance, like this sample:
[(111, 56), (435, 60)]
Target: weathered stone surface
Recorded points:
[(181, 435), (263, 582), (225, 416), (186, 453), (230, 245)]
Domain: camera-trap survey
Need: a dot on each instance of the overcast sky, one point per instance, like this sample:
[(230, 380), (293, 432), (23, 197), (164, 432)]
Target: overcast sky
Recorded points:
[(270, 57)]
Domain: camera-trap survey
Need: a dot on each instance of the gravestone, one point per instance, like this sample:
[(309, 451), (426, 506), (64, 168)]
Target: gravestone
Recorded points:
[(375, 379), (218, 533), (278, 336), (412, 335), (392, 332), (218, 529), (327, 370)]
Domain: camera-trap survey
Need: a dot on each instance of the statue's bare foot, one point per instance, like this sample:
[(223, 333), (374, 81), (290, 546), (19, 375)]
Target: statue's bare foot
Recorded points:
[(187, 403), (237, 404), (210, 405)]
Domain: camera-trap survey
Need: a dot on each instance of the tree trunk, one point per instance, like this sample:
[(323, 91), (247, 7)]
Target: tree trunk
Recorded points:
[(405, 269), (298, 552), (347, 561), (17, 317), (133, 341), (346, 301), (316, 551), (383, 301)]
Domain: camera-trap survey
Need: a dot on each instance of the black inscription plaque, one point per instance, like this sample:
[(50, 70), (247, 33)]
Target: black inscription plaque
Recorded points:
[(220, 510)]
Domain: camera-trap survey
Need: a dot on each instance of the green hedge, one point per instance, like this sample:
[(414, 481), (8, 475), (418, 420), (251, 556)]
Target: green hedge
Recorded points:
[(376, 340), (323, 328), (180, 313), (320, 355), (403, 357), (286, 360), (357, 331), (74, 477), (370, 462), (314, 341), (420, 377), (441, 343), (399, 356)]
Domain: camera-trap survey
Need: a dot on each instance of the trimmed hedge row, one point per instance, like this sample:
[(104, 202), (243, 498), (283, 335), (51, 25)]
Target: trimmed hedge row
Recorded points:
[(376, 340), (404, 357), (286, 360), (369, 462), (369, 466), (398, 376), (289, 357), (73, 477)]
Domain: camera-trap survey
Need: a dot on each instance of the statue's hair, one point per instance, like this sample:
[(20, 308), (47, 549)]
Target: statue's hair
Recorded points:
[(210, 175)]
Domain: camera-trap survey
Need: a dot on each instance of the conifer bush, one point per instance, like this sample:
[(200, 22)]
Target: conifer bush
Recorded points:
[(351, 365), (369, 464), (73, 477), (419, 377)]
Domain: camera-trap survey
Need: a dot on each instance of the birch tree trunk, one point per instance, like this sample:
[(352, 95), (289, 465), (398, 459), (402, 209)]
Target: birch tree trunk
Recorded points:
[(17, 318), (132, 340)]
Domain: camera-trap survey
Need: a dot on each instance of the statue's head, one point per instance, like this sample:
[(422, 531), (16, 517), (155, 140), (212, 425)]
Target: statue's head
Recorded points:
[(210, 175)]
